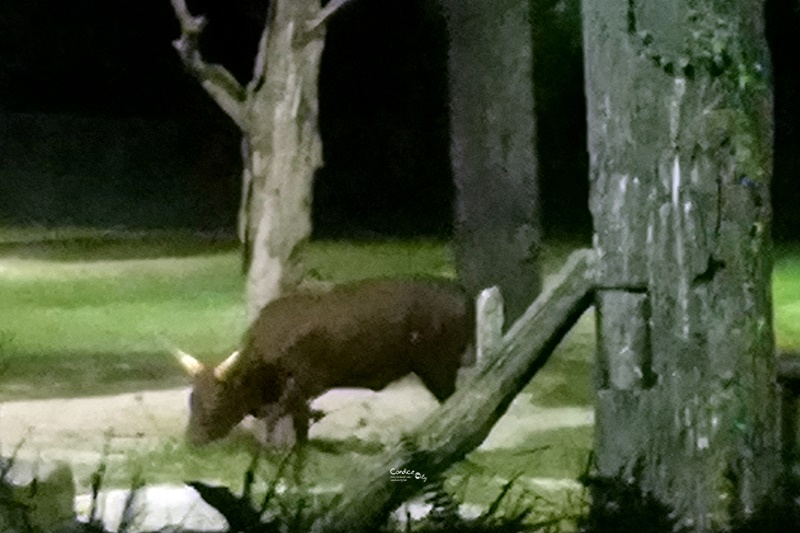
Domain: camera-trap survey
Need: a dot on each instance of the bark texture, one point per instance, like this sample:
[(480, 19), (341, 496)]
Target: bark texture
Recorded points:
[(490, 72), (680, 120)]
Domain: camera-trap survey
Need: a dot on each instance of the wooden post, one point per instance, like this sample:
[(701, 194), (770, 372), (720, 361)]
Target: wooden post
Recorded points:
[(488, 323)]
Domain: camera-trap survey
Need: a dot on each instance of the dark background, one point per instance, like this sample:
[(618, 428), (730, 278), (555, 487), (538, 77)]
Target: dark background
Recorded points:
[(101, 126)]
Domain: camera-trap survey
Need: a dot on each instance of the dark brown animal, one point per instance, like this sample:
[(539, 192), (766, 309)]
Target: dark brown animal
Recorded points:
[(364, 334)]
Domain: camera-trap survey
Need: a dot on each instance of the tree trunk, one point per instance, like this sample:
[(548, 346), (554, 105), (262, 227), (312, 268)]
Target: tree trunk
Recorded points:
[(498, 231), (467, 417), (282, 151), (278, 114), (679, 112)]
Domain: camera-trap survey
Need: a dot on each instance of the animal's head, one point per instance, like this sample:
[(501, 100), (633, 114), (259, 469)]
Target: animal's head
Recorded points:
[(215, 404)]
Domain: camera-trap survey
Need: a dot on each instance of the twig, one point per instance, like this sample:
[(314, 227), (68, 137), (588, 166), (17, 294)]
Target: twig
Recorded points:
[(220, 84), (326, 13)]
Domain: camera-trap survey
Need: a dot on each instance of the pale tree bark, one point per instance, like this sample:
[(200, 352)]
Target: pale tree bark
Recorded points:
[(492, 128), (277, 112), (680, 118)]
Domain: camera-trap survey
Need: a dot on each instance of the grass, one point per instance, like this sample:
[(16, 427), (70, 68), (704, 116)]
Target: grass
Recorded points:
[(92, 313), (83, 327), (786, 298)]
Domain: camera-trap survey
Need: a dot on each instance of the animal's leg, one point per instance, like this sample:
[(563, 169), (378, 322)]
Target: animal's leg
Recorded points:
[(440, 380), (277, 417), (297, 404), (278, 428)]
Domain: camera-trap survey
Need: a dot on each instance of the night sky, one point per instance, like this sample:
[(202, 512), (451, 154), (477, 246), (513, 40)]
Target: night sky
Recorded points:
[(101, 126)]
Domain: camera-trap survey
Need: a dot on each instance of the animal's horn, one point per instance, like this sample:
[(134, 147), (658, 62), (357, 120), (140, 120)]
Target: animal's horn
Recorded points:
[(188, 362), (222, 370)]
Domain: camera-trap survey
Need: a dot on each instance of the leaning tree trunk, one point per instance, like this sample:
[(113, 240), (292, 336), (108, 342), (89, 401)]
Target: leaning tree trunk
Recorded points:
[(498, 231), (464, 421), (277, 113), (679, 111)]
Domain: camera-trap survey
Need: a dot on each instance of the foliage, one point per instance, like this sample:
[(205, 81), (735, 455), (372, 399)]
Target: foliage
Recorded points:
[(127, 520), (14, 515), (293, 512), (620, 505), (288, 512), (444, 515)]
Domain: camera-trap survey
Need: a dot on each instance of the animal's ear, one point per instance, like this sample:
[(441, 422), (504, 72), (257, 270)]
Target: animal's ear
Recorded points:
[(223, 370), (188, 362)]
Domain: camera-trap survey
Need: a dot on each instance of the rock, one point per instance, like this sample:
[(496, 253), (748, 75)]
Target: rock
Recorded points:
[(156, 507), (40, 492)]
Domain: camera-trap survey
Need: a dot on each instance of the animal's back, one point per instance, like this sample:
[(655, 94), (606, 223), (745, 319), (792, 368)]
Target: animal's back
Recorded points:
[(366, 334)]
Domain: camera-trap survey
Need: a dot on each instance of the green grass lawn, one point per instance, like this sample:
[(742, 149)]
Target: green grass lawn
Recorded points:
[(101, 322), (90, 313), (786, 294), (85, 312)]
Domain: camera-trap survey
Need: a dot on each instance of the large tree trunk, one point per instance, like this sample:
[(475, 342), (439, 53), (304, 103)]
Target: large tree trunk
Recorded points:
[(498, 231), (277, 113), (679, 111)]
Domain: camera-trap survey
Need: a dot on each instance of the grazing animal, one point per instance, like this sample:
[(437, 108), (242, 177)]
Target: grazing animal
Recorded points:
[(364, 334)]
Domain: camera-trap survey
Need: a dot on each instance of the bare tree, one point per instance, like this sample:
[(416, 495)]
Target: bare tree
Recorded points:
[(277, 112)]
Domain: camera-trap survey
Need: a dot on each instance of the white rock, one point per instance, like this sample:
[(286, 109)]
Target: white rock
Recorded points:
[(156, 507)]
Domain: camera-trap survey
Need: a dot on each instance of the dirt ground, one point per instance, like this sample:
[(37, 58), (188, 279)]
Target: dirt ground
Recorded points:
[(76, 430)]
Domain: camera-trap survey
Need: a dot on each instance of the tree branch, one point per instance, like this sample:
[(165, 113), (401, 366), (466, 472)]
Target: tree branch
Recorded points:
[(215, 79), (326, 13), (465, 420), (260, 64)]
